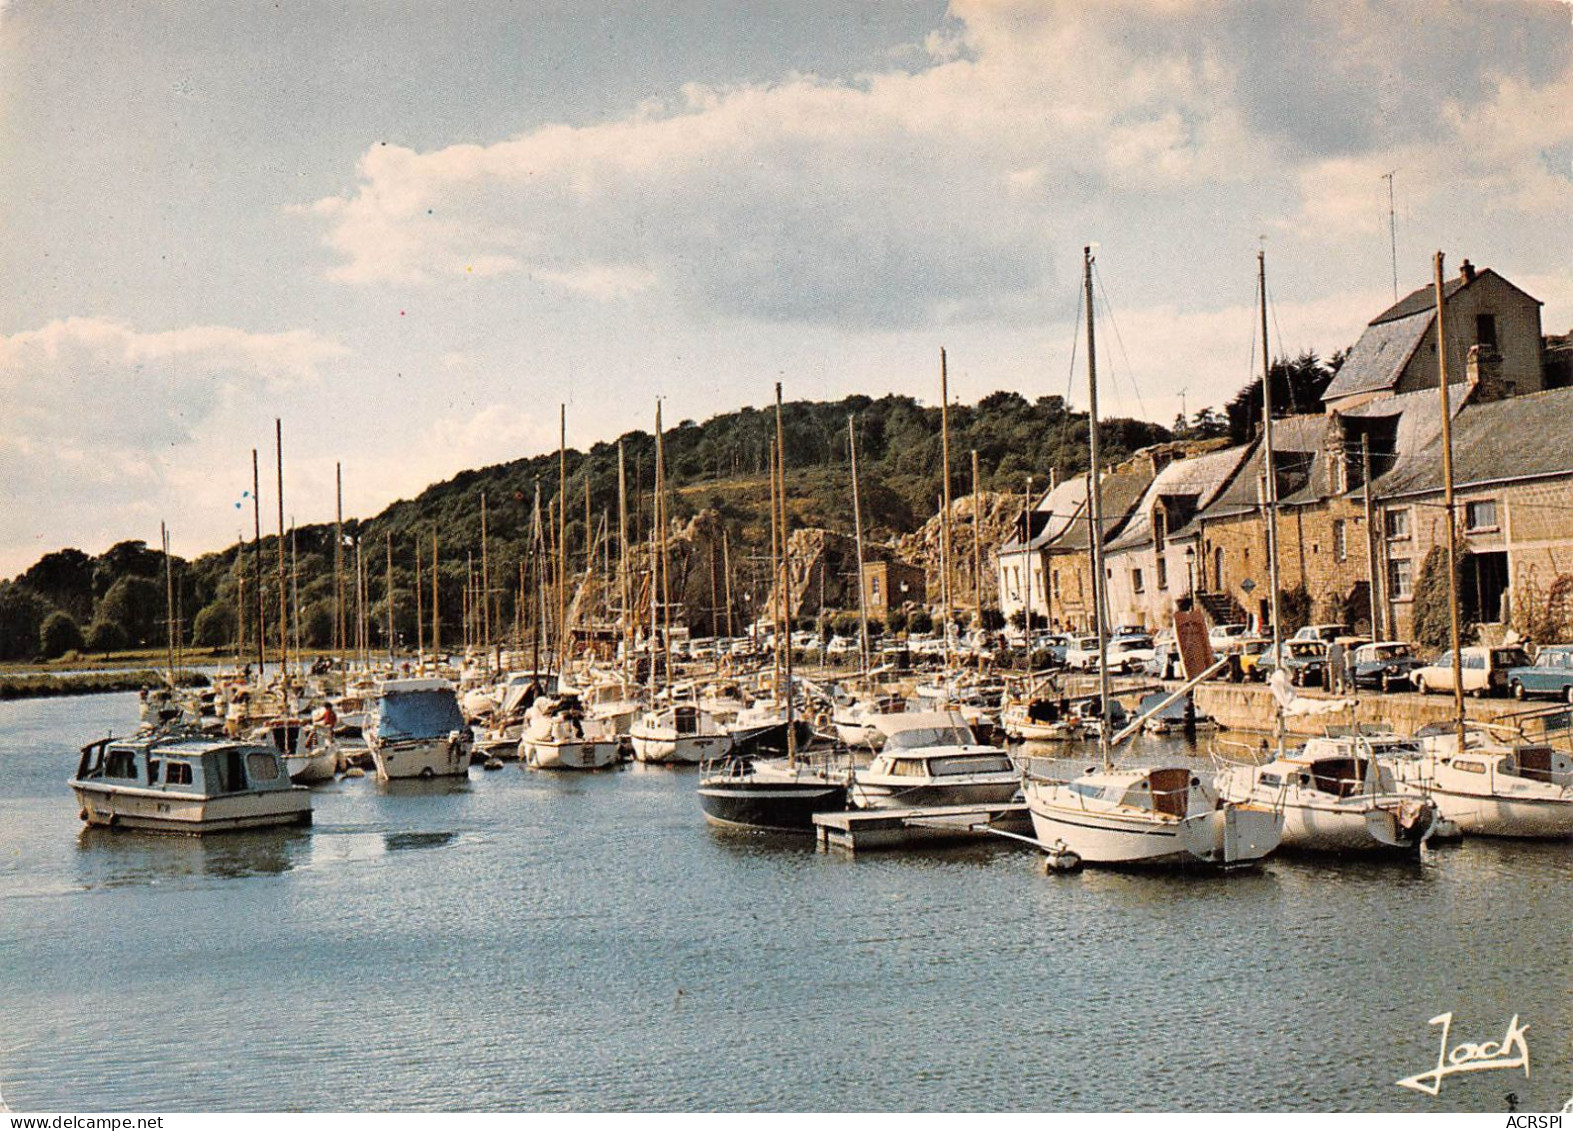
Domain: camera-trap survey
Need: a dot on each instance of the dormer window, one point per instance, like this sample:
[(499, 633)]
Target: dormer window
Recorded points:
[(1486, 330)]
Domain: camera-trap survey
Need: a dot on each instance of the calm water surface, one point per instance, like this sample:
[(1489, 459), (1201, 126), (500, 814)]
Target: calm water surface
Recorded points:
[(529, 941)]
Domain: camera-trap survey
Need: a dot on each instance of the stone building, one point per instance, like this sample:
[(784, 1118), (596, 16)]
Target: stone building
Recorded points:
[(891, 584)]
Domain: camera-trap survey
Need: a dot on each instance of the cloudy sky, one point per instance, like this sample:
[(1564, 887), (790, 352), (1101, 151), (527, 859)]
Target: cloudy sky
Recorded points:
[(411, 229)]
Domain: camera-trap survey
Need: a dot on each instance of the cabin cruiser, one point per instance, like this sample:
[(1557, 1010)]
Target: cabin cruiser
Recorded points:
[(932, 758), (679, 734), (186, 782), (780, 794), (1148, 816), (1336, 796), (558, 735), (418, 731), (853, 719), (1492, 788)]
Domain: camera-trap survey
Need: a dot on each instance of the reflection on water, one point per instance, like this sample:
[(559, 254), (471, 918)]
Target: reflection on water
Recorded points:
[(588, 941), (126, 858)]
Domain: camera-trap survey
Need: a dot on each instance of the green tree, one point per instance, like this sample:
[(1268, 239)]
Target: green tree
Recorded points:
[(1433, 597), (106, 636), (215, 625), (22, 614), (60, 634), (136, 604)]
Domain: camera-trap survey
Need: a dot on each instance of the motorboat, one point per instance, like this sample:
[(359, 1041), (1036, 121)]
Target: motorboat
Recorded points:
[(1336, 796), (1176, 717), (186, 782), (854, 723), (1148, 816), (679, 734), (310, 754), (558, 735), (1492, 787), (1043, 719), (418, 731), (779, 794), (932, 758)]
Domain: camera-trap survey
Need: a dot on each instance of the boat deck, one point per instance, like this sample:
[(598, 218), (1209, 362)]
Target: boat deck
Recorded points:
[(859, 830)]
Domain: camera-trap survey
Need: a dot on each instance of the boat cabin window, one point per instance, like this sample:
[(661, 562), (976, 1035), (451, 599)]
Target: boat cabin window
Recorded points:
[(685, 720), (1087, 789), (1342, 777), (1469, 767), (152, 770), (1533, 763), (930, 736), (121, 764), (261, 767), (1271, 779), (177, 773), (986, 764)]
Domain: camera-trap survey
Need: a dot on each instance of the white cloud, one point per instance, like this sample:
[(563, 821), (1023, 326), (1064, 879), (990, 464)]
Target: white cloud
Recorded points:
[(940, 193)]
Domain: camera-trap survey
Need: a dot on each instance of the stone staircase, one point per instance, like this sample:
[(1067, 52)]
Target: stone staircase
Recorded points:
[(1221, 608)]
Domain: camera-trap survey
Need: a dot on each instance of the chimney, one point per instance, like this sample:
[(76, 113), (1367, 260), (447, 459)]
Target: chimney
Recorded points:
[(1466, 272)]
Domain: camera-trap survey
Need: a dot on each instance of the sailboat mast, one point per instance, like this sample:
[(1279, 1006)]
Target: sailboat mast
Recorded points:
[(486, 588), (420, 610), (977, 557), (664, 565), (562, 539), (387, 597), (775, 571), (1026, 545), (726, 577), (256, 565), (786, 577), (169, 600), (1270, 499), (622, 555), (857, 526), (1095, 494), (338, 559), (944, 522), (436, 621), (278, 452), (1456, 635)]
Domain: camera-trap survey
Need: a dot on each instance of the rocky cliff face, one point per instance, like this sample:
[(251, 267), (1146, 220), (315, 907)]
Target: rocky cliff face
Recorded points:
[(989, 518)]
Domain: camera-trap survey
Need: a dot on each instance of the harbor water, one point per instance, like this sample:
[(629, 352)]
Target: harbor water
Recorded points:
[(530, 941)]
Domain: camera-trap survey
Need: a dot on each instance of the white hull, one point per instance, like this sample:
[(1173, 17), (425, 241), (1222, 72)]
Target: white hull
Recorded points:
[(688, 749), (1353, 828), (313, 766), (1479, 815), (426, 758), (1232, 835), (157, 810), (577, 754)]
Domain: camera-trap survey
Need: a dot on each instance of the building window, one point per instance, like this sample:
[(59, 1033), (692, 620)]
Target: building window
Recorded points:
[(1486, 330), (1340, 541), (1136, 580), (1160, 529), (1480, 515), (1400, 579), (1398, 523), (1163, 573), (873, 589)]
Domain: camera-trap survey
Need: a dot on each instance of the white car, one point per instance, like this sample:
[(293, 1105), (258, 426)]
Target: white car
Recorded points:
[(1130, 653), (1082, 653)]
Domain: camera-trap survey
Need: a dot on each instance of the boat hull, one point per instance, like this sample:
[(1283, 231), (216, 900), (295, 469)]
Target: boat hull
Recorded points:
[(1523, 818), (314, 767), (425, 758), (577, 754), (679, 750), (905, 795), (1232, 836), (746, 801), (159, 811)]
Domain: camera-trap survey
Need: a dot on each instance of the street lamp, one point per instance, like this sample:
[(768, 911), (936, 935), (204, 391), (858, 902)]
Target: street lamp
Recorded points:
[(1190, 571)]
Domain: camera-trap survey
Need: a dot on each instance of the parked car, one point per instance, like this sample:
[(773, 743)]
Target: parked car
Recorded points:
[(1327, 633), (1250, 651), (1484, 670), (1082, 653), (1165, 662), (1226, 637), (1304, 660), (1385, 665), (1129, 653), (1551, 674)]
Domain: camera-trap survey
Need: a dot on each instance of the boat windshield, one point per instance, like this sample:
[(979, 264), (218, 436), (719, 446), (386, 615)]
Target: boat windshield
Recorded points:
[(971, 764), (921, 737), (418, 714)]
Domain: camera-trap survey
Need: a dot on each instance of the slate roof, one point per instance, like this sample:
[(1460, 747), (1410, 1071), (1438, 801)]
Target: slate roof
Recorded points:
[(1297, 449), (1200, 478), (1380, 355), (1520, 437)]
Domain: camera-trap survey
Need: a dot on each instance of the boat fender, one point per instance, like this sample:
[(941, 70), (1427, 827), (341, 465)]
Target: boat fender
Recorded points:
[(822, 721)]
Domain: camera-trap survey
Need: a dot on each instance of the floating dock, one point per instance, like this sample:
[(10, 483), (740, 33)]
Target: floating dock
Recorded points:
[(860, 830)]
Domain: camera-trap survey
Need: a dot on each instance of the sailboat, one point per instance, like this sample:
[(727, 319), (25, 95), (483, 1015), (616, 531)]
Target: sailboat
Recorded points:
[(1167, 815), (782, 794)]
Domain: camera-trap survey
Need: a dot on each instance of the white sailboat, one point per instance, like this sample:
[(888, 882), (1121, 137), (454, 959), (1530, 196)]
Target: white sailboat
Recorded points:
[(1166, 815), (560, 735)]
